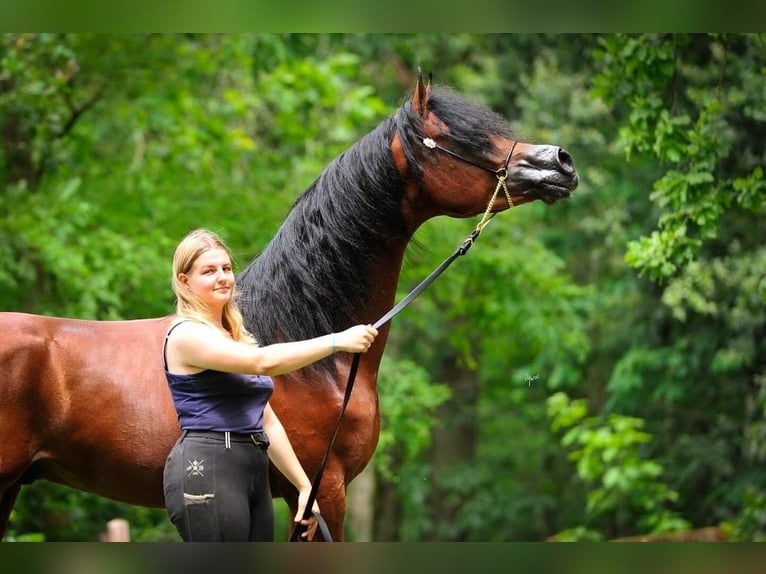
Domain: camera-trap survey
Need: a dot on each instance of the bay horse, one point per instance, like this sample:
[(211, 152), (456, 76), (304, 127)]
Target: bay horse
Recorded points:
[(84, 403)]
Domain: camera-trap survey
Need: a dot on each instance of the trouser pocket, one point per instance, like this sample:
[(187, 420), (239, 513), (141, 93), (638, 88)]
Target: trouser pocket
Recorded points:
[(190, 490)]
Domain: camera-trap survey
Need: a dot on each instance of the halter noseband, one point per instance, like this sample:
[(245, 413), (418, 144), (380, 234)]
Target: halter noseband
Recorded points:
[(501, 172)]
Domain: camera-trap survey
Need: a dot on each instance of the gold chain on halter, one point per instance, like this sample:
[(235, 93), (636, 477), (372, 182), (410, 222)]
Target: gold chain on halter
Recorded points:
[(488, 214)]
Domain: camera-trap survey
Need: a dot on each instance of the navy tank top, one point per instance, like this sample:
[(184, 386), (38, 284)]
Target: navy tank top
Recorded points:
[(218, 401)]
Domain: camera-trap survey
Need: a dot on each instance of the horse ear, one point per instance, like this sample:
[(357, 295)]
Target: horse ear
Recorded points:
[(421, 93)]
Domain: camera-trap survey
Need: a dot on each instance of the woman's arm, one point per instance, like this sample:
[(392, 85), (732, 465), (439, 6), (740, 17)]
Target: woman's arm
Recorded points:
[(195, 347), (283, 456)]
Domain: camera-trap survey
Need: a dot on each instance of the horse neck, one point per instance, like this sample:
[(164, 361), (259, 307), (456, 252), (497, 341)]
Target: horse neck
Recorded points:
[(336, 259)]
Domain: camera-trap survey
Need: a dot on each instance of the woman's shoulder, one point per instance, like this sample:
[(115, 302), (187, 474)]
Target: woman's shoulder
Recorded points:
[(186, 327)]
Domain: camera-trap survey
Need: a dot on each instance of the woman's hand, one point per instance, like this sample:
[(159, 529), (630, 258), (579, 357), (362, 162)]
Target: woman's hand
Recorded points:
[(356, 339), (311, 522)]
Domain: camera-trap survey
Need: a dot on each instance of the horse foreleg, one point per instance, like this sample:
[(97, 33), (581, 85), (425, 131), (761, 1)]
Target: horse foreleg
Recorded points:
[(7, 500), (332, 506)]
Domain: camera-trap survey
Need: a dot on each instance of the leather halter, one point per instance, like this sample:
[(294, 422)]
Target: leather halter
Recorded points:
[(501, 172)]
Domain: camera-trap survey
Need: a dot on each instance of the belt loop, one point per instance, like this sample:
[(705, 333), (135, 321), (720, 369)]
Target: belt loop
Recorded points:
[(227, 436)]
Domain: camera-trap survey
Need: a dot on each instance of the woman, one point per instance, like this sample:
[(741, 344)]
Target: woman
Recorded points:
[(216, 476)]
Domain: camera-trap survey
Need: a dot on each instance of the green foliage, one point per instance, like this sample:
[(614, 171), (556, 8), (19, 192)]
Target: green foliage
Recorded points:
[(69, 267), (495, 327), (686, 98), (625, 488), (750, 524), (507, 317), (579, 534), (51, 512), (408, 400)]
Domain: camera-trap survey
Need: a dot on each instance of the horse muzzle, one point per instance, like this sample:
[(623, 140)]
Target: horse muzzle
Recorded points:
[(543, 171)]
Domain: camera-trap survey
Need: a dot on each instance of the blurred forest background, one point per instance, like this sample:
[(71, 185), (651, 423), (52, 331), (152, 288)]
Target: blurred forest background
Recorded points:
[(594, 370)]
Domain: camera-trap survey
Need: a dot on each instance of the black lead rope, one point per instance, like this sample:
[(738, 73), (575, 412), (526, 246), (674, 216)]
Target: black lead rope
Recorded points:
[(501, 175), (301, 528)]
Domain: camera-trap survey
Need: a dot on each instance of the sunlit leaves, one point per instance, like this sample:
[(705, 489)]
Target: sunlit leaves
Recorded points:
[(687, 108), (408, 399), (623, 484)]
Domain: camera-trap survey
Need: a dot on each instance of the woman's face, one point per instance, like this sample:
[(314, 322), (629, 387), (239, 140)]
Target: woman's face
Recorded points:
[(211, 278)]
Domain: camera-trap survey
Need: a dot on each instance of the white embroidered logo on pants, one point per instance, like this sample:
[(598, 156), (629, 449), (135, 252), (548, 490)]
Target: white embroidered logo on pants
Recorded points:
[(195, 467)]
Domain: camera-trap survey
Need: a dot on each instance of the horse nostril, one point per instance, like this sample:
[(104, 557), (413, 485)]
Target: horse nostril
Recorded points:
[(565, 160)]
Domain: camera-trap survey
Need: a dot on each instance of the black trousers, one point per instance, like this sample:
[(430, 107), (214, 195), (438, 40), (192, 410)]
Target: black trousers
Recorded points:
[(217, 487)]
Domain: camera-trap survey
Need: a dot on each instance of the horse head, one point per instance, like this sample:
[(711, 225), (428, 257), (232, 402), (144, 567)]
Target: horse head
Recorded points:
[(457, 152)]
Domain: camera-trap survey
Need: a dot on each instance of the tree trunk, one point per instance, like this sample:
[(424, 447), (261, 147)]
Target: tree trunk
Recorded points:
[(453, 447), (360, 500)]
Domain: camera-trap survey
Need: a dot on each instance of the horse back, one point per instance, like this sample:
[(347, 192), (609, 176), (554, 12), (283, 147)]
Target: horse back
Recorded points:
[(85, 394)]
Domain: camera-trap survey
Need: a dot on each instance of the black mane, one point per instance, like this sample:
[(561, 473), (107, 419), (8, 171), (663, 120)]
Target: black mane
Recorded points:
[(314, 275)]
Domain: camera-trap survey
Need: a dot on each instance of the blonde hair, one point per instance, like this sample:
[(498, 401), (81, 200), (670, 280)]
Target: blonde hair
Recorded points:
[(188, 305)]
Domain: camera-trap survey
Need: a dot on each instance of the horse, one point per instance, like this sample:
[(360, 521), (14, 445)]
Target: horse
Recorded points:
[(84, 403)]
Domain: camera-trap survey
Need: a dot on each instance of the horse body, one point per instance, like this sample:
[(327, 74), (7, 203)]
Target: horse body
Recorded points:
[(78, 399), (85, 403)]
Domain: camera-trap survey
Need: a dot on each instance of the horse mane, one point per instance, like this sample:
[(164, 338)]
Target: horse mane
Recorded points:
[(315, 272), (314, 276)]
